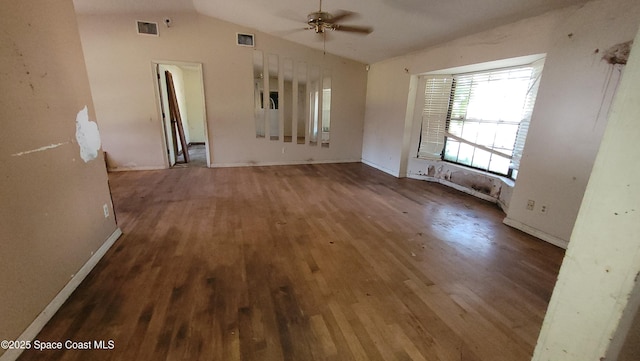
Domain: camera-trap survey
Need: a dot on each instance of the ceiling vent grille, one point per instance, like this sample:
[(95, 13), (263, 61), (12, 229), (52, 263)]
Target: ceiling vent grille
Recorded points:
[(147, 28)]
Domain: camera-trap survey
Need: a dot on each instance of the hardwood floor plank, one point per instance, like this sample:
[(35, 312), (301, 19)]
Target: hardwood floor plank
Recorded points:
[(310, 262), (346, 330), (321, 332)]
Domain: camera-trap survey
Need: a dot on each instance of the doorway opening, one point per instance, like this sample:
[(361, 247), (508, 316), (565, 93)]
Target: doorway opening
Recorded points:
[(182, 110)]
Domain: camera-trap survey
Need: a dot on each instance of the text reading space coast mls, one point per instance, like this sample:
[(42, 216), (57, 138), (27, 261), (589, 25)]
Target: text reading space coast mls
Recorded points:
[(58, 345)]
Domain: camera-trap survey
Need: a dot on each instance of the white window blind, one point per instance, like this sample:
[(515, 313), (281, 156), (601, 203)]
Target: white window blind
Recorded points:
[(532, 92), (437, 96), (487, 108)]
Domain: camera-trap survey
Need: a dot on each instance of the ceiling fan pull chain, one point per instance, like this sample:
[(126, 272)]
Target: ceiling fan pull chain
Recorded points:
[(324, 42)]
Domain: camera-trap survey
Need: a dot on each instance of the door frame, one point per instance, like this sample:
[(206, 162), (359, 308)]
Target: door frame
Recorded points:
[(159, 101)]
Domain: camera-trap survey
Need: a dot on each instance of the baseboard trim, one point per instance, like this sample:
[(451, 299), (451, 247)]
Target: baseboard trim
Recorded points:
[(381, 168), (36, 326), (126, 169), (265, 164), (253, 164), (558, 242)]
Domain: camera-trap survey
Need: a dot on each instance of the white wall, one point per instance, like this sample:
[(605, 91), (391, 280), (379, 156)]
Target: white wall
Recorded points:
[(570, 116), (195, 104), (121, 77), (598, 291), (570, 95), (387, 92)]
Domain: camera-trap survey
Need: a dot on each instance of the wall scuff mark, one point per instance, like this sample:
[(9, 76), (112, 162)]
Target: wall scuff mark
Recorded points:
[(87, 136), (46, 147)]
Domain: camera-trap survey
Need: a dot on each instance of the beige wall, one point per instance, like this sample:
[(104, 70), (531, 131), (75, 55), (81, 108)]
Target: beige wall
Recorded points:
[(51, 216), (119, 66), (572, 102)]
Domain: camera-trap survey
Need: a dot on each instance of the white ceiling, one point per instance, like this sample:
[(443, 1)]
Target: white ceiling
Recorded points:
[(400, 26)]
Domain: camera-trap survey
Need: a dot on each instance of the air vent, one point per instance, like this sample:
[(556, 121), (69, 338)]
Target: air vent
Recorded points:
[(245, 40), (147, 28)]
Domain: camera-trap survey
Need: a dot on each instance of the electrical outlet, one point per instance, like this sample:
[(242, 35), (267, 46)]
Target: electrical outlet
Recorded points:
[(530, 204), (105, 209), (544, 209)]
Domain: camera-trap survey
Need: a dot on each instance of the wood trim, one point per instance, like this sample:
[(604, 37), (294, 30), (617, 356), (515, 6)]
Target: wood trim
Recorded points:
[(174, 110)]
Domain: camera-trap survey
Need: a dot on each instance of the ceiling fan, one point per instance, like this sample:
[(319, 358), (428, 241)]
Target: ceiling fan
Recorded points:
[(321, 21)]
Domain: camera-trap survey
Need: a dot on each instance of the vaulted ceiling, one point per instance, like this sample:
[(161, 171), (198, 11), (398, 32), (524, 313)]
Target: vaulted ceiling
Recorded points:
[(399, 26)]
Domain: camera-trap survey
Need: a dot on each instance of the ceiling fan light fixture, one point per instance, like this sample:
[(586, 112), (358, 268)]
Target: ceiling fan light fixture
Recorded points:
[(319, 21)]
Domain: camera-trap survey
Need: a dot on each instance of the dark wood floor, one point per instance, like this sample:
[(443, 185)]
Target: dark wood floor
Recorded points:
[(310, 262)]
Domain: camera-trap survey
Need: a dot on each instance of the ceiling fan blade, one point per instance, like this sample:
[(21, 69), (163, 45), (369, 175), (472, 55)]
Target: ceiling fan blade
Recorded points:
[(285, 33), (353, 29), (341, 15), (289, 15)]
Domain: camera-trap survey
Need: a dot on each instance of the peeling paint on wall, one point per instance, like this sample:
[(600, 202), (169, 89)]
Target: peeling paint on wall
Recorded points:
[(87, 136), (46, 147), (471, 180), (485, 186), (618, 54)]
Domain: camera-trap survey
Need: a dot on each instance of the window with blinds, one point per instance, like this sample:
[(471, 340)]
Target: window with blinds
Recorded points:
[(479, 119), (435, 113)]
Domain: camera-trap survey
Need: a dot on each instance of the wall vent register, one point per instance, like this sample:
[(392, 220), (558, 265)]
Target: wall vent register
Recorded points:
[(147, 28)]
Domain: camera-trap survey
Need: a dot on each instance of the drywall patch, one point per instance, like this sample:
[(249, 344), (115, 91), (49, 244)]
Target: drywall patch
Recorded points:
[(87, 136), (46, 147)]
